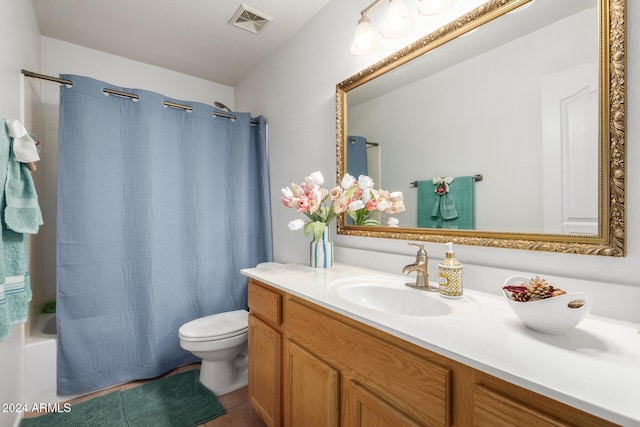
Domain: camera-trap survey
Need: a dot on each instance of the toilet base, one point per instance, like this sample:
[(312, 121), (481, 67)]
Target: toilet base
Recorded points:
[(223, 377)]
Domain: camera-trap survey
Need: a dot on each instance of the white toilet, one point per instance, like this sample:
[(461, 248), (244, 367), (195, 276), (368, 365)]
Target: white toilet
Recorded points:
[(220, 340)]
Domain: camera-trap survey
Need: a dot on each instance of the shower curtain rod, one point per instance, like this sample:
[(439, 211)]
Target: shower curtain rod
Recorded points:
[(369, 143), (126, 95)]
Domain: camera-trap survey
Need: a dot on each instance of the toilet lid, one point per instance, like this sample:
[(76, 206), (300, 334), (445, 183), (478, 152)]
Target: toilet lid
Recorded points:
[(215, 327)]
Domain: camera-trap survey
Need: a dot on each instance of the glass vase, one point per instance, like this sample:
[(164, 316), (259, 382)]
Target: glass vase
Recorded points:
[(321, 251)]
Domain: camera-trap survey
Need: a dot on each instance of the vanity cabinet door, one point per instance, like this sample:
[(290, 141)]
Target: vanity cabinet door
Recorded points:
[(265, 355), (312, 393), (367, 409)]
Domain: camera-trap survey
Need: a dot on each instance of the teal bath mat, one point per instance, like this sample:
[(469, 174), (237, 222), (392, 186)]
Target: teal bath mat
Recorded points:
[(176, 401), (100, 411)]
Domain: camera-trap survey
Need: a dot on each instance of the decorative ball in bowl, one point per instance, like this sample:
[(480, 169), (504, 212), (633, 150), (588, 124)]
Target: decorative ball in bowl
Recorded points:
[(544, 308)]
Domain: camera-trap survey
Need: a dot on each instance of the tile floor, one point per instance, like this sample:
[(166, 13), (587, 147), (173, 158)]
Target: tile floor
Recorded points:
[(240, 413)]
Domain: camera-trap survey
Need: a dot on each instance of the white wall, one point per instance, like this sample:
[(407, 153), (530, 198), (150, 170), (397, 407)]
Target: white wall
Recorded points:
[(295, 90), (61, 57), (20, 49)]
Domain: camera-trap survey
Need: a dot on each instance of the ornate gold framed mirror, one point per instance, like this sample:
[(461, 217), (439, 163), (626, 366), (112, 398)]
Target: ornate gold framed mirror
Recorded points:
[(527, 94)]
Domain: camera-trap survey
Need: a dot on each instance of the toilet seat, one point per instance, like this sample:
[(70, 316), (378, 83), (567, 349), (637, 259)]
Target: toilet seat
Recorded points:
[(215, 327)]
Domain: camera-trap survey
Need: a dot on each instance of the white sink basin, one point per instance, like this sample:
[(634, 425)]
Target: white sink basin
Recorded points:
[(391, 295)]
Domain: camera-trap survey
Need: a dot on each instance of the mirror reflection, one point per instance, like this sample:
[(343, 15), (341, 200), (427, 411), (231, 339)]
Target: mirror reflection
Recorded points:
[(528, 130), (497, 130)]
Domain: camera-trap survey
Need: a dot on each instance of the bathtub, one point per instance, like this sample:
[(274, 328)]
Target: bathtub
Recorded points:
[(40, 356)]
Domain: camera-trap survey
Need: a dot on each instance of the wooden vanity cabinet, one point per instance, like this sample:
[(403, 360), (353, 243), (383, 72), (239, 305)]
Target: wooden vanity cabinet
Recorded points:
[(314, 367), (372, 380)]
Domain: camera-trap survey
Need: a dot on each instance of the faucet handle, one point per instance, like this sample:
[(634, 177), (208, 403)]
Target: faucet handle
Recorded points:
[(421, 251)]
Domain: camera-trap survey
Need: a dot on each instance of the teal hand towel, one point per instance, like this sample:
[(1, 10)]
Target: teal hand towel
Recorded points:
[(445, 207), (15, 291), (456, 211), (22, 212)]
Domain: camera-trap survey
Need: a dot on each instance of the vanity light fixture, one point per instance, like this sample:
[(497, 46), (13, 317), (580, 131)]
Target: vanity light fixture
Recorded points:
[(397, 23)]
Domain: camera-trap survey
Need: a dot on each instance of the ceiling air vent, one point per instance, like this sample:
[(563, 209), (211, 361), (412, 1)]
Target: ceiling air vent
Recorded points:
[(249, 19)]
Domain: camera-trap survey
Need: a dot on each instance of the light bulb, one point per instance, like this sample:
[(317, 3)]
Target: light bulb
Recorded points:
[(365, 40), (397, 22)]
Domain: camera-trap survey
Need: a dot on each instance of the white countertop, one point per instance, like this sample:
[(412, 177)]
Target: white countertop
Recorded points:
[(594, 367)]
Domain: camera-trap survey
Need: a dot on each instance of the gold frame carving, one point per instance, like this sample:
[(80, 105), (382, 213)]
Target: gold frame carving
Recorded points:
[(610, 240)]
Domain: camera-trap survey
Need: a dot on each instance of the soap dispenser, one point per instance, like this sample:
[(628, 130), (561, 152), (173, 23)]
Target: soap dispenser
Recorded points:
[(450, 275)]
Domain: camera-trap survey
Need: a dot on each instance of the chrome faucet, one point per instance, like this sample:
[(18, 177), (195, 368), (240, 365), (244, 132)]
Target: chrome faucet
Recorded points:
[(420, 267)]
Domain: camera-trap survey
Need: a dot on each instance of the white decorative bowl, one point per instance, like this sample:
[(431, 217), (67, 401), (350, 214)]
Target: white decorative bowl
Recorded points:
[(550, 315)]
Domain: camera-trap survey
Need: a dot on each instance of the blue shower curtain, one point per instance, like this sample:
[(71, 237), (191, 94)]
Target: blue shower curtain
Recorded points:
[(357, 156), (158, 210)]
